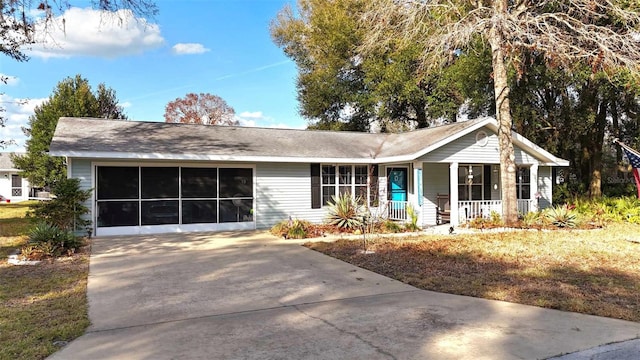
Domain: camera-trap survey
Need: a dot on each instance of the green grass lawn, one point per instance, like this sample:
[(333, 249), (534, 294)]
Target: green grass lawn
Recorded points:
[(41, 304), (587, 271)]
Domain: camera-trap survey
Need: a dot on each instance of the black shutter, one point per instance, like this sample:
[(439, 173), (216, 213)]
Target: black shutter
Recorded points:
[(316, 193), (487, 182)]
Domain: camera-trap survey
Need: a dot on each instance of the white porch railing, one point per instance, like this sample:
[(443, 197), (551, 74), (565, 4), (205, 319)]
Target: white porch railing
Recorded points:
[(525, 206), (469, 210), (397, 210)]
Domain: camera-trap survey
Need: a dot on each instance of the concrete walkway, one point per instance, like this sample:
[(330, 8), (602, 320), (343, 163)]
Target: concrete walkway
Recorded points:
[(251, 296)]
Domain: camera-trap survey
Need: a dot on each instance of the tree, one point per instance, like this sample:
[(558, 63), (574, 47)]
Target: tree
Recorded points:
[(205, 109), (72, 97), (340, 89), (601, 33), (551, 105)]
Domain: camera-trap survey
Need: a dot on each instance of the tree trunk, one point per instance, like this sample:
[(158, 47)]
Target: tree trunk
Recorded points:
[(595, 184), (421, 116), (503, 115)]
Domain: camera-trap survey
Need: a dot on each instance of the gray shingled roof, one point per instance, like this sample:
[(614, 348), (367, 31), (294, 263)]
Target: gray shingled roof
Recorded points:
[(5, 161), (77, 136)]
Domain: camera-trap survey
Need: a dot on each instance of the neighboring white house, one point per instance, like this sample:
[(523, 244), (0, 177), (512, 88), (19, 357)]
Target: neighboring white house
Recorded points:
[(151, 177), (13, 188)]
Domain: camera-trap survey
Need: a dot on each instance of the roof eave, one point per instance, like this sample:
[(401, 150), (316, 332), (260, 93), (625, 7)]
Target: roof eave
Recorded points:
[(115, 155)]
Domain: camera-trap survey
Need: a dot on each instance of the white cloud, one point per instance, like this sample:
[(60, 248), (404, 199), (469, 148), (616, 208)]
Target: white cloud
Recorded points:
[(257, 119), (189, 49), (17, 112), (126, 104), (88, 32)]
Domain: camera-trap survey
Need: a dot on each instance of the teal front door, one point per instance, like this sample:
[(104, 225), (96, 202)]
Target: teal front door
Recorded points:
[(398, 184)]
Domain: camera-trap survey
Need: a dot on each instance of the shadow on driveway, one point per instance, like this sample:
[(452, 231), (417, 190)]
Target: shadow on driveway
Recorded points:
[(251, 296)]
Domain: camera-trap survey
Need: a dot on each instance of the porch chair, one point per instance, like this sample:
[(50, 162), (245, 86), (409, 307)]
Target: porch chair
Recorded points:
[(443, 209)]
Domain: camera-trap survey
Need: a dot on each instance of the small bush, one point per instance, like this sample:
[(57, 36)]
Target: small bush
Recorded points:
[(32, 252), (562, 216), (495, 218), (51, 241), (345, 212), (280, 229), (295, 229), (391, 227), (534, 219), (412, 214), (67, 209)]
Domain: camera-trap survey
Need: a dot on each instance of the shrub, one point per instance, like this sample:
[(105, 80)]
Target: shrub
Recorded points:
[(32, 252), (50, 240), (280, 229), (293, 229), (495, 218), (412, 214), (345, 212), (534, 219), (297, 230), (67, 208), (391, 227), (562, 216)]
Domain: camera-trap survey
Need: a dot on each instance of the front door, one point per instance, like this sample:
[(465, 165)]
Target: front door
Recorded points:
[(398, 184)]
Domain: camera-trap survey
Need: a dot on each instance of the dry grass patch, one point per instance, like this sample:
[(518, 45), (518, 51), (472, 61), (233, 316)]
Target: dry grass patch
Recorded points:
[(588, 271), (41, 304)]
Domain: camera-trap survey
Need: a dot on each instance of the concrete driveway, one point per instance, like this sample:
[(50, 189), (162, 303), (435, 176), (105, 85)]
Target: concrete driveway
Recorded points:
[(251, 296)]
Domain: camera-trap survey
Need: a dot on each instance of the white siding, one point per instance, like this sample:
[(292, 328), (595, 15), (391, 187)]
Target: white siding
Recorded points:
[(465, 150), (283, 190), (435, 180), (545, 186), (6, 187), (81, 169)]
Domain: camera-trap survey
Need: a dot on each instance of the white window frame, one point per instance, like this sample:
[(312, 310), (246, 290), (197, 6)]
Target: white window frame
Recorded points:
[(470, 186), (520, 184), (351, 184)]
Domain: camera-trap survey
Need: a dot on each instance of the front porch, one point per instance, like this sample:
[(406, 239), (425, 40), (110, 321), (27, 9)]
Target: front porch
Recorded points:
[(461, 194), (467, 210)]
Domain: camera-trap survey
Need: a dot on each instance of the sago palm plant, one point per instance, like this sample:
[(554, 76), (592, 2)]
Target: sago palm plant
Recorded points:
[(345, 212)]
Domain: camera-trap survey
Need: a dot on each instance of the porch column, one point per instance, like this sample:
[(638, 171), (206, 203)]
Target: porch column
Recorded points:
[(418, 191), (533, 180), (453, 193)]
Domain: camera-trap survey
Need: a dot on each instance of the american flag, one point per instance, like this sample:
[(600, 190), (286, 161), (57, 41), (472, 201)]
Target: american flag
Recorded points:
[(634, 160)]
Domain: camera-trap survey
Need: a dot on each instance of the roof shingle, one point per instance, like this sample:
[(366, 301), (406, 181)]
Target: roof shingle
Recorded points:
[(86, 135)]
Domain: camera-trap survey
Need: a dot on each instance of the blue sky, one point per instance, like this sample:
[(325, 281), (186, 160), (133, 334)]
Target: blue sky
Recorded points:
[(221, 47)]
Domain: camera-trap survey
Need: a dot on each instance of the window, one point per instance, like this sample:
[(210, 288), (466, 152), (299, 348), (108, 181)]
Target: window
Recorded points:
[(361, 174), (523, 183), (328, 183), (470, 185), (348, 179)]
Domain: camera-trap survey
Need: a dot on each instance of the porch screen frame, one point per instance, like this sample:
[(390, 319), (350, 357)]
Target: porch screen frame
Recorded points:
[(243, 201)]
